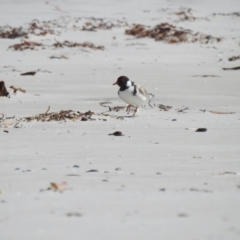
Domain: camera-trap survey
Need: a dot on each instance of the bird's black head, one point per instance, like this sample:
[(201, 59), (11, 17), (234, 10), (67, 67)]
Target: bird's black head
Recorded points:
[(122, 82)]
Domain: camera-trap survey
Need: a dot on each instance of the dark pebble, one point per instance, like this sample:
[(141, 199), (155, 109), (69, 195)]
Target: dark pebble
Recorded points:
[(174, 120), (117, 133), (201, 130), (75, 166), (93, 170)]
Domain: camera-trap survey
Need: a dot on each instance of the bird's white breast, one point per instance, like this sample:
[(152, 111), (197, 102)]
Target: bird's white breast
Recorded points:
[(128, 97)]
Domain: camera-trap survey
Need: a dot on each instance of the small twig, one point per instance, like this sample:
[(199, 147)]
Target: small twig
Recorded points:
[(233, 68), (150, 104), (16, 124), (47, 110)]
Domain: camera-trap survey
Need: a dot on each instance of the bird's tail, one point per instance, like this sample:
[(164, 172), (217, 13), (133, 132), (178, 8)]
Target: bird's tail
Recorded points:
[(150, 96)]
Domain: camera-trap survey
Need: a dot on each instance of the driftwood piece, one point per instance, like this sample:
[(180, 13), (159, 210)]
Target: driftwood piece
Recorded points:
[(233, 68)]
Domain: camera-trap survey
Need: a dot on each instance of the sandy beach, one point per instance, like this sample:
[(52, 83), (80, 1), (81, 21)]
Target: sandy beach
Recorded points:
[(175, 171)]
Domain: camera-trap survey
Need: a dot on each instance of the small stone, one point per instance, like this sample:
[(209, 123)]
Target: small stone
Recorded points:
[(162, 189), (92, 170), (17, 169), (75, 166), (182, 215), (117, 133)]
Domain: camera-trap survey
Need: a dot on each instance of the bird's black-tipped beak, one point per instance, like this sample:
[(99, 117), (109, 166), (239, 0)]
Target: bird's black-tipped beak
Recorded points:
[(115, 83)]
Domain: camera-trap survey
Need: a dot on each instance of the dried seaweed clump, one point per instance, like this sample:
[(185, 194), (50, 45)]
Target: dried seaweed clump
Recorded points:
[(61, 116), (170, 34), (40, 30), (84, 45), (186, 14), (99, 23), (10, 32), (25, 45)]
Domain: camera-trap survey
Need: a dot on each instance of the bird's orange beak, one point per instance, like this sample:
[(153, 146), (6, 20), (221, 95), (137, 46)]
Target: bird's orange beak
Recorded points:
[(115, 83)]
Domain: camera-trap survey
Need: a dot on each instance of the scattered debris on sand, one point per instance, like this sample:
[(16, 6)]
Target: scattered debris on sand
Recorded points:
[(224, 173), (74, 44), (233, 14), (232, 68), (99, 23), (15, 89), (35, 28), (3, 90), (10, 32), (206, 75), (62, 115), (200, 190), (234, 58), (56, 26), (25, 45), (164, 107), (182, 110), (186, 14), (128, 109), (170, 34), (40, 29), (56, 187)]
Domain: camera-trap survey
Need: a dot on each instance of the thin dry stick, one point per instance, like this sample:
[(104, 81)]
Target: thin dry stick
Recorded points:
[(47, 110)]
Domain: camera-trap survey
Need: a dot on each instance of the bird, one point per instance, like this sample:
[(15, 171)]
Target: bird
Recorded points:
[(131, 93)]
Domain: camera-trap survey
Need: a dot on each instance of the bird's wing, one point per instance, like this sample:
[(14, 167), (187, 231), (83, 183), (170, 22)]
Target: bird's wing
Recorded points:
[(142, 90)]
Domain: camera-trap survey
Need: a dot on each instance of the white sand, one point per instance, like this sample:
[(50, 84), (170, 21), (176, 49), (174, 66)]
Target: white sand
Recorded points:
[(200, 172)]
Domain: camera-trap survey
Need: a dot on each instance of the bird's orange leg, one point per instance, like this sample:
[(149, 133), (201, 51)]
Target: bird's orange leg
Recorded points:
[(128, 108), (135, 111)]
